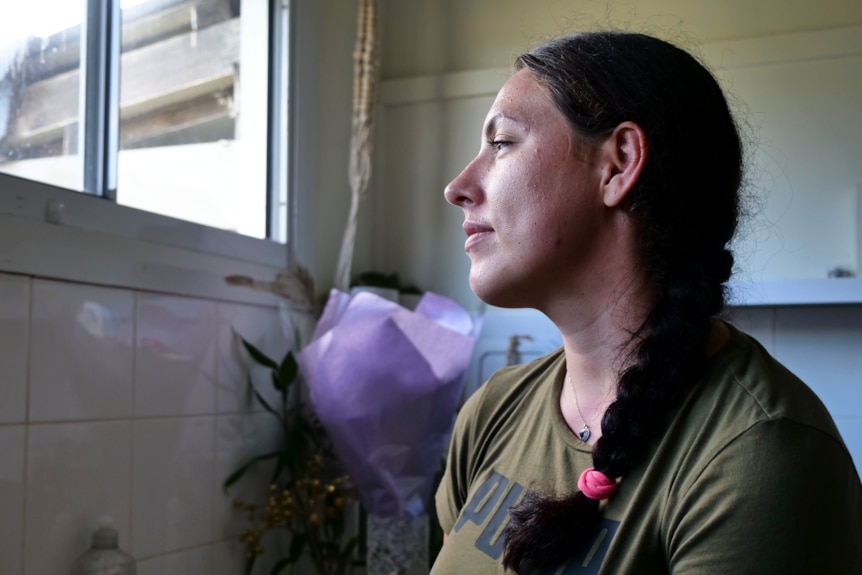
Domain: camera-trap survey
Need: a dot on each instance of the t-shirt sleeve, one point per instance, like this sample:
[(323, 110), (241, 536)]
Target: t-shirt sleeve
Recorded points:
[(452, 491), (781, 498)]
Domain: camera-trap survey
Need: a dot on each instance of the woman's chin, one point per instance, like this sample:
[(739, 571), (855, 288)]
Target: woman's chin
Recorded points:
[(496, 293)]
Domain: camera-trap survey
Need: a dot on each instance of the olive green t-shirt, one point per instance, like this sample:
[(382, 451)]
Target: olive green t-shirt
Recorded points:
[(747, 476)]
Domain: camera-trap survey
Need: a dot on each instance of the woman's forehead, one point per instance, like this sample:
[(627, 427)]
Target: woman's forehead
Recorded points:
[(520, 97)]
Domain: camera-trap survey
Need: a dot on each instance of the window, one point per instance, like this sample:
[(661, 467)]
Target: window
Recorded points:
[(174, 107)]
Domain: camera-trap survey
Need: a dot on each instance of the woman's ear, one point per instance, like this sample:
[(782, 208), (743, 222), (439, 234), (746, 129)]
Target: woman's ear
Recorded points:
[(624, 155)]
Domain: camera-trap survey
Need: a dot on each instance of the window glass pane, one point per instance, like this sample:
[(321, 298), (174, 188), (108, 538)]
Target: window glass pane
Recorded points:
[(39, 91), (193, 111)]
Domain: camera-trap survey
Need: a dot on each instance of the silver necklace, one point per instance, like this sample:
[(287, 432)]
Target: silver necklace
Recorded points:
[(584, 433)]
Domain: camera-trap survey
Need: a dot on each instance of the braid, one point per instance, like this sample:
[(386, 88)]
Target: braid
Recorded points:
[(599, 80), (544, 531)]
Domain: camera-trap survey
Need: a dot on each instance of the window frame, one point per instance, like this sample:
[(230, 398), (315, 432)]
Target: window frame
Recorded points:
[(53, 232)]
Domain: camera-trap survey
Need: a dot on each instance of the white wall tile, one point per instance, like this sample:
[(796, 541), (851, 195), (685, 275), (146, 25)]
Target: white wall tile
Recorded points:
[(228, 557), (80, 352), (851, 431), (238, 439), (823, 346), (12, 499), (76, 473), (263, 328), (197, 561), (174, 480), (756, 322), (175, 362), (14, 329)]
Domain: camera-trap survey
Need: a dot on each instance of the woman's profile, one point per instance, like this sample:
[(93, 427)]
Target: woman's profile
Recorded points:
[(659, 438)]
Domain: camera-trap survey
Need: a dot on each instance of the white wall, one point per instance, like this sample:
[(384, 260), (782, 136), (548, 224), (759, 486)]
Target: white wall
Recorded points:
[(130, 404), (424, 37)]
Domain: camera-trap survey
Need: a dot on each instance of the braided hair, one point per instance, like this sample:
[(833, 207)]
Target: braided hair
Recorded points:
[(685, 206)]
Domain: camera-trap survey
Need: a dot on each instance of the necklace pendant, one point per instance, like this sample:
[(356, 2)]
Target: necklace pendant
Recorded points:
[(584, 433)]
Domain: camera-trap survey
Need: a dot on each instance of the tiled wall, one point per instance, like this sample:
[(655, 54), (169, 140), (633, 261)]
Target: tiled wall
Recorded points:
[(135, 405), (129, 404)]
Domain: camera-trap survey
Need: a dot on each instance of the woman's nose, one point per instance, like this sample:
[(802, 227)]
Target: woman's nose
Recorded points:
[(463, 189)]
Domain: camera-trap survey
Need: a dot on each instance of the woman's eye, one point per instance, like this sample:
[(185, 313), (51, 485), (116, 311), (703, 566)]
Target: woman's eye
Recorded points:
[(498, 144)]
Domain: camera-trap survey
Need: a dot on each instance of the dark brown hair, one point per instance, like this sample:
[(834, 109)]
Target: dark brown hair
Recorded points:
[(686, 208)]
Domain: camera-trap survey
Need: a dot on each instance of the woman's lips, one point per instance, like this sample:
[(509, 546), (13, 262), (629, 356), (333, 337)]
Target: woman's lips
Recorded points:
[(476, 232)]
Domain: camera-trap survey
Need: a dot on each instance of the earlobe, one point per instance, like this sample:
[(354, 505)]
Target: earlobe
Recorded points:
[(625, 156)]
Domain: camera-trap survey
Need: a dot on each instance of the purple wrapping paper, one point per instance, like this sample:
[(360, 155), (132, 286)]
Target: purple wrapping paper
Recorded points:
[(385, 382)]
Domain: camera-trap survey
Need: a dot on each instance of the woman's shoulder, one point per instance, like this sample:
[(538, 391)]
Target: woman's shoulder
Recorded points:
[(749, 421), (745, 386)]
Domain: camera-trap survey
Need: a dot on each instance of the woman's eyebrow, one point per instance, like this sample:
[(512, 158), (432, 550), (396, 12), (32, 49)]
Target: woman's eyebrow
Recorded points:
[(491, 124)]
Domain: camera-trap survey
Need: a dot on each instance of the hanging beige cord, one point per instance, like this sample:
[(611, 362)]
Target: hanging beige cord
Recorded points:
[(297, 286), (365, 69)]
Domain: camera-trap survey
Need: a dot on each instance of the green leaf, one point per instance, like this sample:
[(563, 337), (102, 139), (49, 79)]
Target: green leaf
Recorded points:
[(379, 279), (344, 557), (258, 356), (264, 403), (295, 444), (297, 337), (236, 475), (280, 566), (288, 369), (280, 466), (297, 545), (249, 563), (279, 385)]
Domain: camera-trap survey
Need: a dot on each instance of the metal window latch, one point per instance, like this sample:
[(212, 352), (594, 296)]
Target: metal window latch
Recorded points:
[(54, 211)]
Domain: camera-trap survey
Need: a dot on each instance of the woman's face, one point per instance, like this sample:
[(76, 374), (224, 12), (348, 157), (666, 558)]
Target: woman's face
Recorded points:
[(531, 198)]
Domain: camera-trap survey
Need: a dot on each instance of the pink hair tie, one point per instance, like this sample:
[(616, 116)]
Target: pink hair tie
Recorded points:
[(595, 484)]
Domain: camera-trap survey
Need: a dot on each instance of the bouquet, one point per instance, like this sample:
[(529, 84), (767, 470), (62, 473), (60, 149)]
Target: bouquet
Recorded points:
[(385, 382)]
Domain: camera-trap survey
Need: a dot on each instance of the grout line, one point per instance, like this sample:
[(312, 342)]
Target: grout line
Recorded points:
[(25, 484), (133, 378)]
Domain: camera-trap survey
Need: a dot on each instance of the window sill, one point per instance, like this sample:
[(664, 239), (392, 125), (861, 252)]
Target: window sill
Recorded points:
[(55, 233)]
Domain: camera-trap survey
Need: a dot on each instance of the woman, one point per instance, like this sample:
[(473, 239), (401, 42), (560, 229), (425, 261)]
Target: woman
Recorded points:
[(659, 439)]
